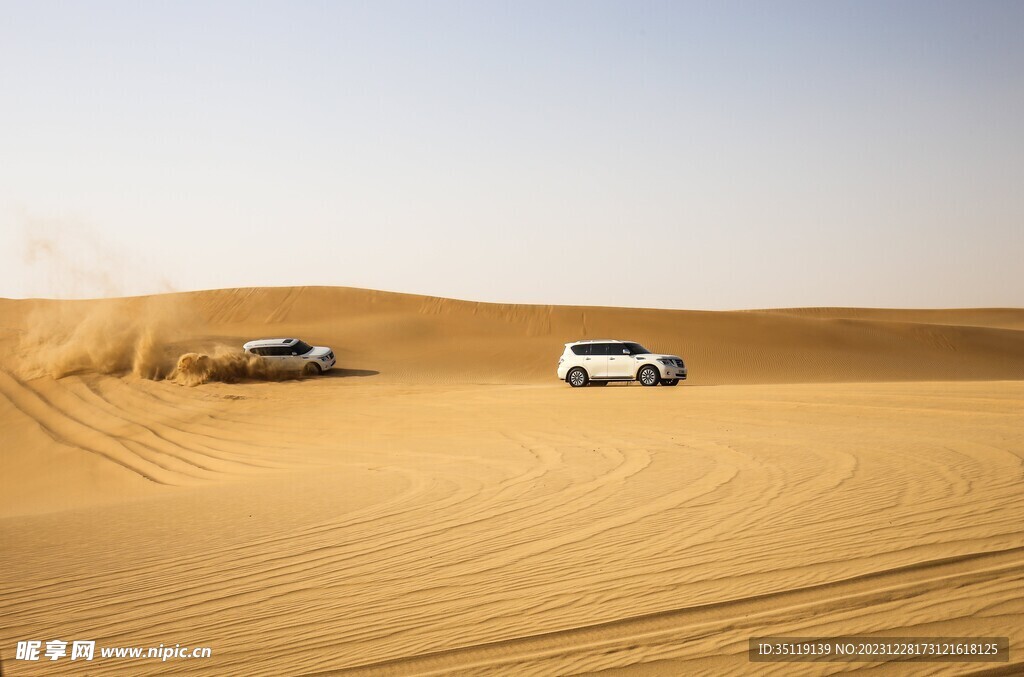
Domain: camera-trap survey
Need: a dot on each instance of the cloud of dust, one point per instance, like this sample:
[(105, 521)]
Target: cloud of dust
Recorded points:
[(109, 337), (144, 336), (227, 365), (66, 258)]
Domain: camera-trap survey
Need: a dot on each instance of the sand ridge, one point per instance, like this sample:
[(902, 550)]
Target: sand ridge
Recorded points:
[(411, 338)]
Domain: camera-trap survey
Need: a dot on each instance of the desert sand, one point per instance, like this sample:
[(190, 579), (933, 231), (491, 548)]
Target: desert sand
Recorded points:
[(441, 504)]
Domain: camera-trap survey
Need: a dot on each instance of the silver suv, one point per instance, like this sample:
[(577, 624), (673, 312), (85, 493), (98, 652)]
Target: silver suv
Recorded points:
[(291, 353), (601, 361)]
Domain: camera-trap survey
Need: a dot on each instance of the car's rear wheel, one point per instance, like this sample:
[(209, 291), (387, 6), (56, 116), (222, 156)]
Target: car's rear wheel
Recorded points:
[(670, 382), (577, 377), (649, 376), (311, 369)]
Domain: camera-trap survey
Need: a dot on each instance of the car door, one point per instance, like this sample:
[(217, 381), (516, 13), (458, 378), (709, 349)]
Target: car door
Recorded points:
[(292, 358), (583, 355), (620, 362), (597, 361)]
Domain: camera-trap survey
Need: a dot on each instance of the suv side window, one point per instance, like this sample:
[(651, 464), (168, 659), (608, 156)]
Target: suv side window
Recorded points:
[(583, 349), (602, 348)]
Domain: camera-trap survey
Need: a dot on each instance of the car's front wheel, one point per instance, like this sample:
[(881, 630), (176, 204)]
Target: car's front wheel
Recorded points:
[(311, 369), (670, 382), (649, 376), (577, 377)]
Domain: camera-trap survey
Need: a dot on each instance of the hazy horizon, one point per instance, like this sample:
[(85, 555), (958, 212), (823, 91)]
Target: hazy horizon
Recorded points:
[(653, 154)]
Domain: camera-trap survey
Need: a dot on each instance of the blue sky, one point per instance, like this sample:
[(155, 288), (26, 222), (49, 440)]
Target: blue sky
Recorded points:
[(660, 154)]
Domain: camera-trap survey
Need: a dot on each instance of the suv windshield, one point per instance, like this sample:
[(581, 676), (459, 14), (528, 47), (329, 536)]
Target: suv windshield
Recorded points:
[(301, 348), (637, 349)]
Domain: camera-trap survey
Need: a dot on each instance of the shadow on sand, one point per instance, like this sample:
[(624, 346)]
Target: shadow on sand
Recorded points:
[(343, 373)]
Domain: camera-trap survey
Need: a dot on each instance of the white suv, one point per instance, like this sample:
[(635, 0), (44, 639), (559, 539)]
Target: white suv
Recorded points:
[(602, 361), (293, 354)]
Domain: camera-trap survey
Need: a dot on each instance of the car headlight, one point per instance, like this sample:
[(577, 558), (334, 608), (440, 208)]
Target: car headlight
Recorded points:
[(664, 360)]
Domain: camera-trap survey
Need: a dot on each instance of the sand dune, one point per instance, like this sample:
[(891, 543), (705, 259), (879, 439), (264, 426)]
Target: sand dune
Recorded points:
[(441, 505), (999, 318), (410, 338)]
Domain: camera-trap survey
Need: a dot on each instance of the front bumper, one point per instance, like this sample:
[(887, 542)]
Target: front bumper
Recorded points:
[(672, 372)]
